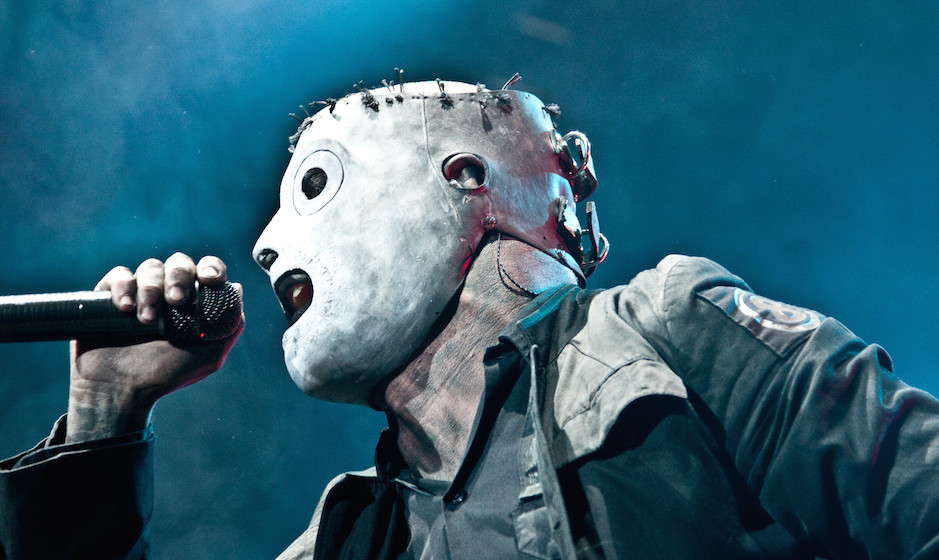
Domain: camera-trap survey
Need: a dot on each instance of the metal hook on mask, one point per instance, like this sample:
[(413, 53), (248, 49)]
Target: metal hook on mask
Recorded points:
[(579, 166), (588, 246), (516, 78), (399, 72)]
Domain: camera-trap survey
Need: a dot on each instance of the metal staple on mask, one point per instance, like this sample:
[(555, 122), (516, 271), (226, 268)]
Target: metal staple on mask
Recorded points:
[(445, 99), (367, 98)]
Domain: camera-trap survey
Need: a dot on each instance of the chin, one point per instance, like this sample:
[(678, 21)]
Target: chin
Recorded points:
[(326, 384), (329, 389)]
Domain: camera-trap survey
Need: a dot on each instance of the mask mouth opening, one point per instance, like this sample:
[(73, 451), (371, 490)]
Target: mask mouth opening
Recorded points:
[(294, 289)]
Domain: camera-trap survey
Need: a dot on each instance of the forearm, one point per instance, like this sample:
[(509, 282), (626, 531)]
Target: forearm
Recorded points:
[(858, 443)]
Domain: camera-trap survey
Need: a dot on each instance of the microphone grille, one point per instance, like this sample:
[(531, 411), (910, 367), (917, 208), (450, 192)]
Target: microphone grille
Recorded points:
[(214, 314)]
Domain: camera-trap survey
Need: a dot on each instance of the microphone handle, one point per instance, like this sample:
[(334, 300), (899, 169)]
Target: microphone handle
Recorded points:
[(214, 313), (65, 316)]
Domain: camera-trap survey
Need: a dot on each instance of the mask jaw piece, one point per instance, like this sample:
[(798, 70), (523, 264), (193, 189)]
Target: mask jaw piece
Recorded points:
[(588, 245), (578, 166)]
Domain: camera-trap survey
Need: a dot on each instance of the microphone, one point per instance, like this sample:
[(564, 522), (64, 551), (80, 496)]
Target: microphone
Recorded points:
[(213, 314)]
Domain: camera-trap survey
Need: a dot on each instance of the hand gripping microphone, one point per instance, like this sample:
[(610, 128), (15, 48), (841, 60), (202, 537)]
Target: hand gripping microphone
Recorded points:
[(212, 314)]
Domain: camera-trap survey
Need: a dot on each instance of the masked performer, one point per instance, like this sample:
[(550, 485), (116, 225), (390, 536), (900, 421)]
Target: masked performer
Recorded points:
[(431, 265)]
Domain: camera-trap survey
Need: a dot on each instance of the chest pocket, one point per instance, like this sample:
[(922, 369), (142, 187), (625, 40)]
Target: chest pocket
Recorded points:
[(603, 368)]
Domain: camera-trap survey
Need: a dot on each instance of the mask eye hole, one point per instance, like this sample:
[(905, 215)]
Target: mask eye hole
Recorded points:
[(316, 181), (466, 171), (313, 183)]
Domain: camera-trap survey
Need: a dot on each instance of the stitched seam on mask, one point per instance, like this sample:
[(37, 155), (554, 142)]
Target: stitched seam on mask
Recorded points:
[(426, 132), (430, 162)]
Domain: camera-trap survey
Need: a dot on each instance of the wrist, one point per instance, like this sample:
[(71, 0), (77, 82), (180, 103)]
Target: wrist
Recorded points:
[(100, 412)]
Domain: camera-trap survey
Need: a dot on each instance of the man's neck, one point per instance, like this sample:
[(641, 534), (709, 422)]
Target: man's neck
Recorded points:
[(434, 400)]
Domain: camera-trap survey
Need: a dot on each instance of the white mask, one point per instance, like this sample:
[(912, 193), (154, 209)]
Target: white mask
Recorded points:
[(372, 240)]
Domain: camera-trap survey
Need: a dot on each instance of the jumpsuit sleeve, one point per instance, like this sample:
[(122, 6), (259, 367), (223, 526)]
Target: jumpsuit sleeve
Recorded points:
[(838, 450), (87, 500)]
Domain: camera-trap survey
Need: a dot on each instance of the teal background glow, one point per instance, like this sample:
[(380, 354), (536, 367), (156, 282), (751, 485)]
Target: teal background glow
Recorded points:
[(795, 143)]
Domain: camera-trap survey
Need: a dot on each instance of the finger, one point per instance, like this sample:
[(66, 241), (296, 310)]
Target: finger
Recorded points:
[(211, 271), (149, 290), (179, 275), (122, 285)]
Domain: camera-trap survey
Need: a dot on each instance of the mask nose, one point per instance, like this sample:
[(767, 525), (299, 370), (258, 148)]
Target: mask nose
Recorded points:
[(265, 258), (263, 251)]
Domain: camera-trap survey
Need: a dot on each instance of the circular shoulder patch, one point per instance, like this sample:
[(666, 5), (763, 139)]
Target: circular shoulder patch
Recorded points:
[(778, 325), (776, 315)]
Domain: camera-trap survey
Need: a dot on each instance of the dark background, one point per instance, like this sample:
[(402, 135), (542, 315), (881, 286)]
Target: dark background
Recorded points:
[(796, 143)]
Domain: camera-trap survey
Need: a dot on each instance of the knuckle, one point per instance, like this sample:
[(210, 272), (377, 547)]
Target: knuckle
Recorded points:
[(150, 271), (180, 274), (149, 293), (180, 268), (118, 273), (118, 277), (125, 284), (178, 259)]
